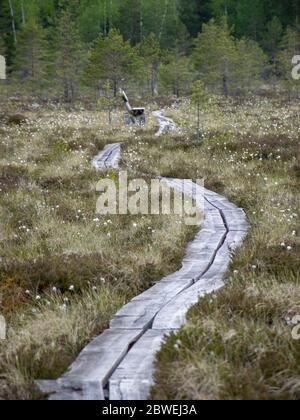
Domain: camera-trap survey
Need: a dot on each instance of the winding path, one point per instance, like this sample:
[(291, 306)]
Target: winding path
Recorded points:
[(119, 364)]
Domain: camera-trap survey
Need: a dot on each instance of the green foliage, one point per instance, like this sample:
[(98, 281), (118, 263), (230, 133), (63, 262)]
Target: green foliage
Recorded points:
[(59, 149), (68, 53), (250, 20), (2, 47), (252, 62), (113, 59), (273, 37), (136, 44), (152, 56), (30, 66), (215, 55), (176, 75), (226, 63), (107, 101), (97, 16)]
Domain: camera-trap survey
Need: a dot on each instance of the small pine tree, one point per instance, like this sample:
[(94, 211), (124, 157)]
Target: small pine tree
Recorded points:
[(215, 55), (251, 64), (176, 75), (107, 101), (113, 59), (152, 57), (68, 55), (199, 98), (30, 57), (273, 37)]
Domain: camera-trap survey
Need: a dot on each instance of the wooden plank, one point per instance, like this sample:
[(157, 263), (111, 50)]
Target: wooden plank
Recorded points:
[(214, 221), (173, 316), (89, 374), (140, 312), (219, 201), (165, 124), (220, 264), (235, 240), (133, 379), (57, 393), (236, 220), (136, 315), (109, 157), (195, 269), (189, 189), (165, 291), (205, 239)]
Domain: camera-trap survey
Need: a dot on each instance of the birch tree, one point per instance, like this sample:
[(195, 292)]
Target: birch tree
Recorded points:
[(13, 22)]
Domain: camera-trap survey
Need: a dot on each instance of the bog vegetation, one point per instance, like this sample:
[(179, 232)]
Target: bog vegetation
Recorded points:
[(222, 69)]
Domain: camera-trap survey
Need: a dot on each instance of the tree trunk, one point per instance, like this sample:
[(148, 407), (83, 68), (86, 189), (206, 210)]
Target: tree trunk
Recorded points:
[(142, 26), (104, 18), (225, 80), (66, 90), (13, 22), (23, 13), (225, 8), (115, 86), (154, 90), (110, 25), (162, 28), (198, 121)]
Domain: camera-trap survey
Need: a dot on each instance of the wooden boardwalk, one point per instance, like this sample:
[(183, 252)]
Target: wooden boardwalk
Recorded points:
[(119, 364)]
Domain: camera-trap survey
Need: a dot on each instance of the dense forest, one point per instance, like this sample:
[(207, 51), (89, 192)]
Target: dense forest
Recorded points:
[(67, 48)]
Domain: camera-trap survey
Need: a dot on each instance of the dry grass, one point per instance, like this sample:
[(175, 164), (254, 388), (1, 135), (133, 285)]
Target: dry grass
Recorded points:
[(238, 343), (64, 270)]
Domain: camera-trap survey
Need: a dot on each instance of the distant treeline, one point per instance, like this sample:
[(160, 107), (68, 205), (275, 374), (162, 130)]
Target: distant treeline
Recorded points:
[(66, 48)]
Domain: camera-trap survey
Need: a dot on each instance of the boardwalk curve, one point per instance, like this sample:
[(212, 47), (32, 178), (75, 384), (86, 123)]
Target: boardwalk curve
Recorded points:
[(119, 364)]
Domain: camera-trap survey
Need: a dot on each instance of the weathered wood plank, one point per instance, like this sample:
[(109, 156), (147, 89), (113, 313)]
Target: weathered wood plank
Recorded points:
[(236, 220), (235, 239), (136, 314), (219, 201), (214, 221), (133, 379), (173, 316), (109, 157), (89, 374), (165, 124)]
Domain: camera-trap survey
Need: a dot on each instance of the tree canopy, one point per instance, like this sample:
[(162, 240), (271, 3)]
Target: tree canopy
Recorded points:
[(168, 44)]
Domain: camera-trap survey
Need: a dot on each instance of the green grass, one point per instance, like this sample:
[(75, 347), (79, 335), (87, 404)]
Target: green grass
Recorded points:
[(238, 342)]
